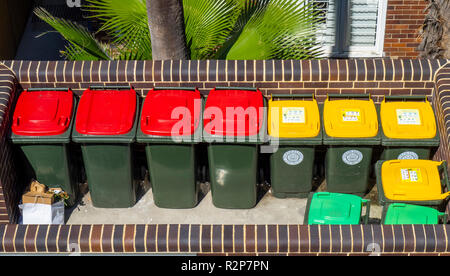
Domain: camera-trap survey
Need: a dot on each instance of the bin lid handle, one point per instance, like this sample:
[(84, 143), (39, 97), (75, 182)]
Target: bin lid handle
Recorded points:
[(405, 98), (110, 87), (293, 96), (236, 88), (174, 88), (37, 89), (348, 96)]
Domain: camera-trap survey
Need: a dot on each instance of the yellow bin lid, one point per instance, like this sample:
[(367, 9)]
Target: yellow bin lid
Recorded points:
[(293, 118), (408, 119), (350, 118), (412, 180)]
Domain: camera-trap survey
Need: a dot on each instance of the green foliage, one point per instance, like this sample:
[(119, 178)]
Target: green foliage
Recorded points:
[(219, 29), (82, 44)]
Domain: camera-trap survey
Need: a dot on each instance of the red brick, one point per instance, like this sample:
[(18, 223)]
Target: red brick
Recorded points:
[(403, 20)]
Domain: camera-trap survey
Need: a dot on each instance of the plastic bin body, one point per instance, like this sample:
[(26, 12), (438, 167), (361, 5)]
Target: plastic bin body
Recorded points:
[(409, 128), (41, 128), (336, 208), (172, 157), (109, 174), (233, 173), (105, 127), (294, 124), (350, 134), (233, 145), (419, 182), (400, 213)]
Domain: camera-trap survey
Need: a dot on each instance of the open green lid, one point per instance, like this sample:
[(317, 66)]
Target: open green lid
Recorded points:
[(400, 213), (336, 208)]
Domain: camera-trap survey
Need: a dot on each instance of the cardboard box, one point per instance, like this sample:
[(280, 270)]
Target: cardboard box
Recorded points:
[(41, 198)]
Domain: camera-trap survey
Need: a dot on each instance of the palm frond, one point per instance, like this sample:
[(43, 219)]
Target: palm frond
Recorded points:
[(245, 11), (126, 21), (82, 42), (207, 25), (283, 29)]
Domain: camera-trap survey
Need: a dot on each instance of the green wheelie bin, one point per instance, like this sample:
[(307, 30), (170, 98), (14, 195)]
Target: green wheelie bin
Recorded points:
[(401, 213), (336, 208), (294, 125), (234, 121), (105, 126), (42, 124), (409, 128), (350, 133), (170, 126)]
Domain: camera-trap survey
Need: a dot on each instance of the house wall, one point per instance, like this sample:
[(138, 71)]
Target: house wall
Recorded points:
[(403, 21), (13, 19)]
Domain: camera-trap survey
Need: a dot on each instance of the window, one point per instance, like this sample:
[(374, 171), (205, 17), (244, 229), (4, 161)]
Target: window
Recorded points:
[(352, 28)]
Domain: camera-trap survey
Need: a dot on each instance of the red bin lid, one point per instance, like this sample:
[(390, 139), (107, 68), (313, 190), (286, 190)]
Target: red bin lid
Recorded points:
[(157, 119), (244, 117), (43, 113), (106, 112)]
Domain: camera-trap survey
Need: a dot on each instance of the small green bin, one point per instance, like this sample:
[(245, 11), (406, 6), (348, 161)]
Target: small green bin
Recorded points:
[(295, 131), (41, 128), (336, 208), (401, 213), (350, 133), (105, 127), (409, 128), (233, 144), (172, 153)]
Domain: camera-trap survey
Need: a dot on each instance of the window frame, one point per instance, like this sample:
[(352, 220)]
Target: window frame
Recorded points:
[(340, 50)]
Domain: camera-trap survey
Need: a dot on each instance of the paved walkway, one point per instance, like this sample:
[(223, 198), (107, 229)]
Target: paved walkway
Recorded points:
[(269, 210)]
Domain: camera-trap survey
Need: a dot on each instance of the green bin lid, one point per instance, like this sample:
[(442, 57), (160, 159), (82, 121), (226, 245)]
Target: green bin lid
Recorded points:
[(334, 208), (400, 213)]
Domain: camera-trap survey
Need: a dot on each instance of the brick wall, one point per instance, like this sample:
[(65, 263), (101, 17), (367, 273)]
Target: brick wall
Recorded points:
[(10, 190), (403, 20), (376, 77)]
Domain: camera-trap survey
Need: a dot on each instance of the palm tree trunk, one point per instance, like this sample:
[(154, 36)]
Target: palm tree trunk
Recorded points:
[(166, 23), (436, 30)]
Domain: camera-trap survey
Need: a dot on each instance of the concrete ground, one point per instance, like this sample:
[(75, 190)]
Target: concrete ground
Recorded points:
[(269, 210)]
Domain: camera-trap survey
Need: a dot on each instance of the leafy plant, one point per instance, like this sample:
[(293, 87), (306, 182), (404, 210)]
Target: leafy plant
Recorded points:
[(219, 29)]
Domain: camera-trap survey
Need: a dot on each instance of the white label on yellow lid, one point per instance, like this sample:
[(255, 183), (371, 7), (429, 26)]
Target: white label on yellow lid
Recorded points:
[(408, 117), (351, 115), (411, 175), (294, 115)]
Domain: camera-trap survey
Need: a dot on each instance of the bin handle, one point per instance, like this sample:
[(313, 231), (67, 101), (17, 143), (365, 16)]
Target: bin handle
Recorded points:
[(236, 88), (405, 98), (366, 202), (303, 96), (443, 217), (442, 168), (110, 87), (175, 88), (348, 96), (35, 89)]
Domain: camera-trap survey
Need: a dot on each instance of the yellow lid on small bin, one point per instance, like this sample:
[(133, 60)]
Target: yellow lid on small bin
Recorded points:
[(293, 118), (408, 119), (350, 118), (412, 180)]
